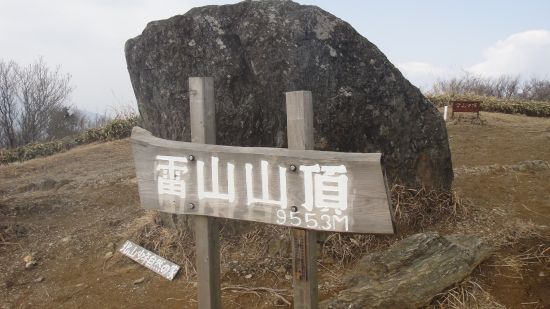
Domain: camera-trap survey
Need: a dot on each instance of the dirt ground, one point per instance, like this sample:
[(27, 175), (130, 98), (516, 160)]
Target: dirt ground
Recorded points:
[(66, 216)]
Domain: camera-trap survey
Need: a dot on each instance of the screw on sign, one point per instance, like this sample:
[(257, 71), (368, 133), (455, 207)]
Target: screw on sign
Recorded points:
[(300, 188)]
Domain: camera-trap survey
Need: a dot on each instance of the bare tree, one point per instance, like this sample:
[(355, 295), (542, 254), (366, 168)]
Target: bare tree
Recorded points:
[(536, 89), (506, 87), (8, 103), (99, 120), (65, 121), (465, 84), (40, 91)]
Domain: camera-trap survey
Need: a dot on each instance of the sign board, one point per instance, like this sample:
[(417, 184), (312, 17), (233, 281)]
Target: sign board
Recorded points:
[(466, 107), (150, 260), (316, 190)]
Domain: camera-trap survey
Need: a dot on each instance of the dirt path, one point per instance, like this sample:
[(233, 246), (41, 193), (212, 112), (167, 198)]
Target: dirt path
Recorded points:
[(72, 210), (504, 166), (504, 141)]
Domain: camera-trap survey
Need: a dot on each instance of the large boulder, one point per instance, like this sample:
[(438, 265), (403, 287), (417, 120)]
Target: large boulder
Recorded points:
[(258, 50)]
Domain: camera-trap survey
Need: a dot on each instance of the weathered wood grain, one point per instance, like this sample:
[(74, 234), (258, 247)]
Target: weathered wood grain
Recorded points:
[(299, 117), (368, 207), (207, 238)]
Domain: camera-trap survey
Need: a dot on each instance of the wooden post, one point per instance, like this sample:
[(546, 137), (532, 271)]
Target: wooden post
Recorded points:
[(203, 130), (299, 115)]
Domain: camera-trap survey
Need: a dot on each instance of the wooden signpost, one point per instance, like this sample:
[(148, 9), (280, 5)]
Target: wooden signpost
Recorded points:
[(466, 107), (298, 187), (299, 111)]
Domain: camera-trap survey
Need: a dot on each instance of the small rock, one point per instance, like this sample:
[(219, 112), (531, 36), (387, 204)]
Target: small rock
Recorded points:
[(248, 276), (26, 188), (288, 277), (108, 255), (8, 283), (138, 281), (66, 239), (110, 246), (61, 183), (29, 261), (47, 184), (542, 274), (39, 279), (80, 285)]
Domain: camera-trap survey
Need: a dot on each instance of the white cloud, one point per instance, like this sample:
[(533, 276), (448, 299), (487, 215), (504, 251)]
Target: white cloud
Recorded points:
[(525, 54), (423, 74)]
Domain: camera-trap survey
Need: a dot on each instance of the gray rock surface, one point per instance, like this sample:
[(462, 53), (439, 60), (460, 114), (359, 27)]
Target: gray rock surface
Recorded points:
[(411, 272), (258, 50)]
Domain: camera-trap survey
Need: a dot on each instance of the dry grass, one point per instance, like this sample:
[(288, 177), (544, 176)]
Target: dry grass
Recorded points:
[(468, 294), (268, 246), (418, 209), (514, 232), (348, 248), (538, 254), (9, 233), (176, 246), (513, 266), (415, 210), (472, 292), (256, 242), (260, 292)]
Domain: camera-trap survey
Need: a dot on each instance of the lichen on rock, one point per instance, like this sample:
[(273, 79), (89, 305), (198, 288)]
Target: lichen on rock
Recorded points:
[(258, 50)]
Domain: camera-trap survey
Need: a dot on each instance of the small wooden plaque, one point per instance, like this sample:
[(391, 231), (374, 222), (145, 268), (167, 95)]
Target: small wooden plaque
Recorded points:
[(150, 260)]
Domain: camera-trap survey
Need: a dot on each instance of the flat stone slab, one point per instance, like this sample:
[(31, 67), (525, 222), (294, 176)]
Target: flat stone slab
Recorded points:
[(411, 272)]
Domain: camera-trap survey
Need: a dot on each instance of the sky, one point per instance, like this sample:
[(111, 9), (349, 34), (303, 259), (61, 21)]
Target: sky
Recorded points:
[(426, 39)]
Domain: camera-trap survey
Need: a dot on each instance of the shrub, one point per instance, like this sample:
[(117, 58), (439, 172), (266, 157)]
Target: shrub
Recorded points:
[(493, 104), (116, 129)]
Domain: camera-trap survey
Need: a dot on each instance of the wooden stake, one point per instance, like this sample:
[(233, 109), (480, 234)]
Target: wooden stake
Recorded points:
[(299, 114), (203, 130)]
